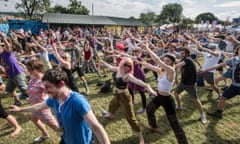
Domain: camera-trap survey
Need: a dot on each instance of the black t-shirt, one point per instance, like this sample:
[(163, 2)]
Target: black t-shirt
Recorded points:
[(189, 72)]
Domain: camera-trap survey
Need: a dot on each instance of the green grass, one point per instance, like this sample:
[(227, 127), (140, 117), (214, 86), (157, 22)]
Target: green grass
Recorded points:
[(224, 131)]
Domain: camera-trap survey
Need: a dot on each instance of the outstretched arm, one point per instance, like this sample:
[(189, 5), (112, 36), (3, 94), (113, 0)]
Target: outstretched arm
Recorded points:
[(214, 67), (112, 68), (139, 82), (64, 63), (32, 108), (158, 61)]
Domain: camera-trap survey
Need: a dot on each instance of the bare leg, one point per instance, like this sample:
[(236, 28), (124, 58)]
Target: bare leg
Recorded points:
[(14, 122), (140, 137), (41, 126), (178, 99), (199, 105), (15, 96)]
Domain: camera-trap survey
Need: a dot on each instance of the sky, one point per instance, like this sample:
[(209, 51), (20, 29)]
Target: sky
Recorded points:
[(127, 8)]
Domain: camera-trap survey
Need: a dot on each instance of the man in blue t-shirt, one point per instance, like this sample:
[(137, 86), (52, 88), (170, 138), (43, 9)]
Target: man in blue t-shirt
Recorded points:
[(73, 111)]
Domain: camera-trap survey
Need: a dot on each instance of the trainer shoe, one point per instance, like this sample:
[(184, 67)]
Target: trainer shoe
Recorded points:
[(106, 114), (179, 108), (141, 111), (40, 139), (203, 118)]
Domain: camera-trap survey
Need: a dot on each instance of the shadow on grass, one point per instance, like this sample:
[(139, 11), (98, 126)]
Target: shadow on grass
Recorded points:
[(211, 133), (6, 133)]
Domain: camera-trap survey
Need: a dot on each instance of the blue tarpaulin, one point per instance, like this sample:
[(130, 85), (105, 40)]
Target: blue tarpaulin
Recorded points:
[(4, 28), (33, 25)]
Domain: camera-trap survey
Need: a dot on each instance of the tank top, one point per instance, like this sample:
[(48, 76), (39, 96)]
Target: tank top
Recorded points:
[(87, 54), (119, 83), (164, 84)]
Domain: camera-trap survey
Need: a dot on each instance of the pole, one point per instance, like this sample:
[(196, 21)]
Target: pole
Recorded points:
[(92, 15)]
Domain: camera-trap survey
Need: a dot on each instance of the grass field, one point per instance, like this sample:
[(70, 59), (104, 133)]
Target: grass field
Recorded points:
[(223, 131)]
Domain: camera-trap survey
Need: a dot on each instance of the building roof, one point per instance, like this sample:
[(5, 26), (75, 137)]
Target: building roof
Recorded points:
[(126, 22), (57, 18)]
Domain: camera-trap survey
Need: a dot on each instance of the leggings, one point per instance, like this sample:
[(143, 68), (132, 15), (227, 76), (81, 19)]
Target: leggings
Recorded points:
[(3, 113), (143, 96), (168, 104)]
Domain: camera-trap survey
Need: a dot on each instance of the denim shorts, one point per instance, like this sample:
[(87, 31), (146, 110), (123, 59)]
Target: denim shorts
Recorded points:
[(228, 73), (231, 92)]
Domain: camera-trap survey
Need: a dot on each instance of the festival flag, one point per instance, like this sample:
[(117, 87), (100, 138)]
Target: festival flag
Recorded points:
[(214, 23)]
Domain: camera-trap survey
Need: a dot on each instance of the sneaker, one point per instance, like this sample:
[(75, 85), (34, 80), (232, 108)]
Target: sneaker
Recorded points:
[(141, 111), (179, 108), (106, 114), (203, 118), (215, 114), (87, 92), (40, 139), (17, 103)]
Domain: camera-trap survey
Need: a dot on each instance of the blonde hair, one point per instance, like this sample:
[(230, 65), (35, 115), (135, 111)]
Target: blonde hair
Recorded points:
[(126, 60)]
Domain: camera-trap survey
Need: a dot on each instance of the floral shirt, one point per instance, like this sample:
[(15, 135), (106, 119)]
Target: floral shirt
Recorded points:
[(36, 91)]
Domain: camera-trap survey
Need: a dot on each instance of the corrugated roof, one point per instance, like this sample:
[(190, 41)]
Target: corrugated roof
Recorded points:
[(57, 18), (126, 22), (76, 19)]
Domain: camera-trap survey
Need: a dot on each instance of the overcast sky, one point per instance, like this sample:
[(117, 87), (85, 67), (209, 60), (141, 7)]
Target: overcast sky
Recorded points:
[(126, 8)]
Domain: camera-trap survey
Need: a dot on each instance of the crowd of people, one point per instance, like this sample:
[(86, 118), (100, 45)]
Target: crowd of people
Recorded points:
[(42, 67)]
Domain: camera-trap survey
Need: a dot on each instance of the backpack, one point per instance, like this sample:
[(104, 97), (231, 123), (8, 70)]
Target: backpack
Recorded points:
[(107, 87)]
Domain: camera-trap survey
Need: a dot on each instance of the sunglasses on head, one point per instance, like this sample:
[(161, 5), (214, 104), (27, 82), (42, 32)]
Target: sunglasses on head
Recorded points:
[(127, 65)]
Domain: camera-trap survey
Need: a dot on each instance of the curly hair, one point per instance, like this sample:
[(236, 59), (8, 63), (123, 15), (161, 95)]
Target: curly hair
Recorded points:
[(55, 76)]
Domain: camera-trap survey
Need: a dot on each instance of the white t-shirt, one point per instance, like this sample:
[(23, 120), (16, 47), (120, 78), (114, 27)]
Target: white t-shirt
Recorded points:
[(229, 47), (210, 60), (131, 46)]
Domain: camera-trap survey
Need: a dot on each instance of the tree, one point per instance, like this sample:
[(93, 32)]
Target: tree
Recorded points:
[(75, 7), (57, 9), (148, 18), (170, 13), (132, 18), (33, 7), (205, 17), (185, 23)]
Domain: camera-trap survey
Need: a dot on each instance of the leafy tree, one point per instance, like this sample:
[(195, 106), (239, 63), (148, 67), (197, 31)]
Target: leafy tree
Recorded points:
[(57, 9), (148, 18), (186, 23), (132, 18), (75, 7), (205, 17), (170, 13), (33, 7)]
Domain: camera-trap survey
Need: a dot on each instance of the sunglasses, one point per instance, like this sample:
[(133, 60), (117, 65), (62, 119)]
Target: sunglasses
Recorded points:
[(64, 57), (127, 65)]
